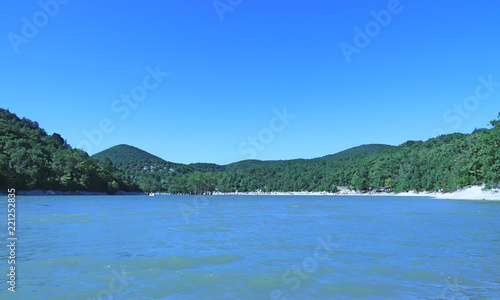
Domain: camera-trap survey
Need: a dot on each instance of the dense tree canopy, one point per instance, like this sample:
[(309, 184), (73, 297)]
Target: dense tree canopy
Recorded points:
[(446, 162), (30, 159), (122, 153), (34, 160)]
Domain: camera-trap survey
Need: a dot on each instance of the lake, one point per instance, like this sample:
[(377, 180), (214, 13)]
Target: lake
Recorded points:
[(254, 247)]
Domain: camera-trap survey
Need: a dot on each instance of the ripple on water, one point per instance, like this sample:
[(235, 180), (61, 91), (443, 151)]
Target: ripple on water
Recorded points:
[(243, 247), (180, 262)]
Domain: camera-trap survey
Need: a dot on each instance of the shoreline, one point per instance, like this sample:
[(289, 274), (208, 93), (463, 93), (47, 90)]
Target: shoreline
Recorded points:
[(69, 193), (467, 193)]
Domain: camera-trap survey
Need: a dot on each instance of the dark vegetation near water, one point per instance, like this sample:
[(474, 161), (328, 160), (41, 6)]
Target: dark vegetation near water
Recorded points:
[(31, 159)]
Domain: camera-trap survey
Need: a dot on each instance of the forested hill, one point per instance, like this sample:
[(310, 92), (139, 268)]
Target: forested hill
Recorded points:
[(123, 153), (126, 157), (446, 162), (30, 159), (154, 173), (356, 150)]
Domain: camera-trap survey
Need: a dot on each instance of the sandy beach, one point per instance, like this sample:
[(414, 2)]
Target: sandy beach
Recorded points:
[(469, 193)]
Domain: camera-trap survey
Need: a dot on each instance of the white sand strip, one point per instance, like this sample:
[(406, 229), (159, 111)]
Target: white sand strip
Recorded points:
[(470, 193)]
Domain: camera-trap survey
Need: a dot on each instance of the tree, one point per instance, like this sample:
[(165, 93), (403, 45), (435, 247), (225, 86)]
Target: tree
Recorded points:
[(197, 183), (113, 187), (388, 182), (495, 123)]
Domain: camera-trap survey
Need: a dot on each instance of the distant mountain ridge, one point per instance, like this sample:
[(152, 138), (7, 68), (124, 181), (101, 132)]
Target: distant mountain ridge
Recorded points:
[(30, 159), (125, 153), (154, 173)]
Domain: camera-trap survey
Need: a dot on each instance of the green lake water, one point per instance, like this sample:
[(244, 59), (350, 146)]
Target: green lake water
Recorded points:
[(253, 247)]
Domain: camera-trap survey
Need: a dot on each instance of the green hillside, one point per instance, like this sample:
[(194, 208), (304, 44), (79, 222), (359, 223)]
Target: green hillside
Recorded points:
[(122, 153), (249, 164), (133, 160), (355, 151), (31, 159), (447, 162), (136, 162)]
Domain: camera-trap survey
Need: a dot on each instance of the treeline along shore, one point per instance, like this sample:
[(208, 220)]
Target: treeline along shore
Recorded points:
[(30, 159)]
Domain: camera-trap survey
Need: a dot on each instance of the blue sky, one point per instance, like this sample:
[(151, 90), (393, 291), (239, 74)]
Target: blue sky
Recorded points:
[(253, 79)]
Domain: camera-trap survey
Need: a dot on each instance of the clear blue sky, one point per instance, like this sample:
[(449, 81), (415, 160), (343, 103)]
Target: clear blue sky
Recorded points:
[(229, 71)]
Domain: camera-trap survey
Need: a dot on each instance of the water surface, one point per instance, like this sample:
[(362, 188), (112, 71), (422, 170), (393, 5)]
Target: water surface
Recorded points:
[(254, 247)]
